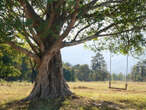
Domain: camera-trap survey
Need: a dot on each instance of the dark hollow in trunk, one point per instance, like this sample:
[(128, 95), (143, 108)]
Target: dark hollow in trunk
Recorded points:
[(50, 82)]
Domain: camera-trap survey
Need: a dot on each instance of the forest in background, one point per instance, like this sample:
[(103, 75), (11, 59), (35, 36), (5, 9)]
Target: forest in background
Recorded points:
[(17, 67)]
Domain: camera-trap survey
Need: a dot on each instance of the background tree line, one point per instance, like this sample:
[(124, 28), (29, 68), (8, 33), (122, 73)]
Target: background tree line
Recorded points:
[(14, 66)]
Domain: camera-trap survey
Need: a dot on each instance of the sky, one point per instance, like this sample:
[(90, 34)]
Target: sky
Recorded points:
[(80, 55)]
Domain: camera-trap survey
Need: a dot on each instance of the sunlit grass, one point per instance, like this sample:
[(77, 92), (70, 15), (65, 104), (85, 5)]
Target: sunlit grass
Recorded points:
[(133, 98), (10, 91)]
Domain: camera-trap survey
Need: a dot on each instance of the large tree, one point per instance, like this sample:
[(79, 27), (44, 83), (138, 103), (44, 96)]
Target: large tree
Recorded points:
[(50, 25)]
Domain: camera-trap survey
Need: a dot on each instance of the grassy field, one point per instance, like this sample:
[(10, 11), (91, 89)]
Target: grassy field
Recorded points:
[(91, 96)]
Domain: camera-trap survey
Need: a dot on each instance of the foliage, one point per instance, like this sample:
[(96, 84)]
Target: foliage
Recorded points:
[(68, 72), (99, 68), (43, 23), (28, 70), (82, 72), (14, 66), (8, 63), (118, 77), (97, 72), (139, 71)]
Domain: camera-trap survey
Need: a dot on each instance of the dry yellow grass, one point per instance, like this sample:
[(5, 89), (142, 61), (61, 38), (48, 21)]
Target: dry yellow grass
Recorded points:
[(132, 99)]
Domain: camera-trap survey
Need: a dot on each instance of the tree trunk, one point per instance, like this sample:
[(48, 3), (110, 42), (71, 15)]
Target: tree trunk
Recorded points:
[(50, 82)]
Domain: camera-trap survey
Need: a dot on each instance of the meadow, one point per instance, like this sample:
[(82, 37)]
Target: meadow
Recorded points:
[(90, 96)]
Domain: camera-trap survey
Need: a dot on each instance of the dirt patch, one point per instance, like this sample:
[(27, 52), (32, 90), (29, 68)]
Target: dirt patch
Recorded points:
[(106, 105), (82, 87)]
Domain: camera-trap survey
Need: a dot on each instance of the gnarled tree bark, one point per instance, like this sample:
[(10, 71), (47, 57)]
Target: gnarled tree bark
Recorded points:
[(50, 82)]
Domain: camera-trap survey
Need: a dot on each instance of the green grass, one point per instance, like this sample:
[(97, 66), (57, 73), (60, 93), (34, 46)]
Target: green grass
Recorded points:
[(91, 96)]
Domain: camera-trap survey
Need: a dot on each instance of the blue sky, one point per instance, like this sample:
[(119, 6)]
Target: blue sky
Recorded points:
[(80, 55)]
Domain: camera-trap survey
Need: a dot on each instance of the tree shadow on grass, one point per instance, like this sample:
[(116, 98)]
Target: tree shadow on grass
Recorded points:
[(70, 103), (32, 105)]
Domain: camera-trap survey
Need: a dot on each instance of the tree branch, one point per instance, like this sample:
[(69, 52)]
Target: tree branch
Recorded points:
[(23, 50), (73, 20), (83, 9), (30, 13), (60, 2), (90, 6), (81, 31), (37, 40), (29, 38), (33, 47), (97, 35), (107, 3)]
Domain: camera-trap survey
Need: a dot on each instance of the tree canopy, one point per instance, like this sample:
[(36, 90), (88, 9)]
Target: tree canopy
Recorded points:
[(42, 23)]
